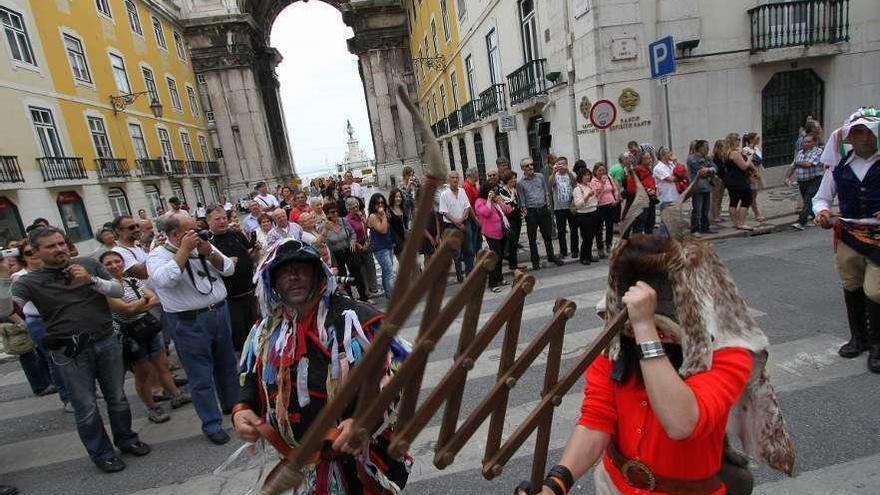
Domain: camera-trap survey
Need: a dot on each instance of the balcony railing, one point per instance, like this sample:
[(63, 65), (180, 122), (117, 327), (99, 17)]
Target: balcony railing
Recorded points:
[(178, 168), (470, 112), (62, 168), (10, 171), (799, 23), (109, 168), (442, 127), (492, 100), (528, 81), (454, 120), (149, 167), (213, 168), (197, 168)]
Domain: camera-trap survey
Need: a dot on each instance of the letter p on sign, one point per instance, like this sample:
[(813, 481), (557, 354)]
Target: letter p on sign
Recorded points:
[(661, 56)]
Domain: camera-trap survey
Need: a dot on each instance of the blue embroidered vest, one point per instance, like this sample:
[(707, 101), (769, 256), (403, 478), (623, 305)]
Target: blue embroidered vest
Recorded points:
[(857, 199)]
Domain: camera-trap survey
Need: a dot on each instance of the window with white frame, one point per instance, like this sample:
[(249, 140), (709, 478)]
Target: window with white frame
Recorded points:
[(469, 68), (420, 67), (187, 146), (200, 194), (444, 13), (193, 104), (177, 191), (104, 7), (529, 29), (154, 199), (159, 31), (138, 141), (178, 44), (99, 137), (165, 143), (215, 190), (119, 74), (118, 202), (134, 20), (434, 102), (434, 38), (17, 36), (150, 83), (175, 96), (494, 57), (203, 145), (74, 217), (443, 100), (462, 8), (453, 87), (76, 54), (47, 133)]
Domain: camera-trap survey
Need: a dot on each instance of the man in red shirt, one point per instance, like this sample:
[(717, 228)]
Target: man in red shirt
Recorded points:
[(656, 405), (472, 189)]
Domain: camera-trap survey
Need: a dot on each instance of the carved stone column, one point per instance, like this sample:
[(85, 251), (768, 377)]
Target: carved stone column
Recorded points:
[(239, 72)]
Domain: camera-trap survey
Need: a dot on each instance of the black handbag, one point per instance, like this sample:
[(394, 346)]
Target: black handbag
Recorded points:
[(144, 328)]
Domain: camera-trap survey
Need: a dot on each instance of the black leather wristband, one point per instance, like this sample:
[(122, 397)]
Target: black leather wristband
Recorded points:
[(553, 486), (564, 474)]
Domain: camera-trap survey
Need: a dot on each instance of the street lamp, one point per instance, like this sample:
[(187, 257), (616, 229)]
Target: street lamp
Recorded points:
[(119, 102)]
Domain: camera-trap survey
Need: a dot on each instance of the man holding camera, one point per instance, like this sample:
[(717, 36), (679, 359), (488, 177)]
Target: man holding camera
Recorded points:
[(702, 172), (71, 294), (244, 252), (187, 273)]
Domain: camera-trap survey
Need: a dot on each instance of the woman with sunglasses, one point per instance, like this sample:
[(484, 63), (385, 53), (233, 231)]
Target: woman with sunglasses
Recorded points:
[(381, 240), (146, 357)]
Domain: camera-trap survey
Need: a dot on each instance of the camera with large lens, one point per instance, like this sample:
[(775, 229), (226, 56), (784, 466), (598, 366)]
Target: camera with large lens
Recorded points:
[(204, 234), (340, 280)]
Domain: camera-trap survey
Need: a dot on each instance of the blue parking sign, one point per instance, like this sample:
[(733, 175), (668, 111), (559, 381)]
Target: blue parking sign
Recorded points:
[(661, 55)]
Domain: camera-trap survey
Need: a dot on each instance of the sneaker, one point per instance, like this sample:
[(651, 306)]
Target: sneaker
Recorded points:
[(158, 414), (111, 465), (180, 399), (556, 260), (797, 226), (575, 256), (47, 391), (137, 449), (161, 397), (218, 437), (180, 381), (68, 407)]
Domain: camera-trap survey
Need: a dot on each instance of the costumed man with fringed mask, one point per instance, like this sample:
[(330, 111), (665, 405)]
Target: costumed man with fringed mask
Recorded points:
[(688, 367), (853, 175), (294, 361)]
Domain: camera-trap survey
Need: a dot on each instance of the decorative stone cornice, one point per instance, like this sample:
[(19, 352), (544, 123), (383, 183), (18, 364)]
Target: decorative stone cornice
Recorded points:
[(378, 39), (223, 57)]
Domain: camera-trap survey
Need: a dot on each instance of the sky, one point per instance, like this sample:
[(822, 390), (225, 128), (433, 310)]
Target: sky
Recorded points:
[(320, 86)]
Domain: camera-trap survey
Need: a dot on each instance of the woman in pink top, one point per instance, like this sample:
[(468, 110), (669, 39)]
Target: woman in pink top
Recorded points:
[(608, 196), (492, 213)]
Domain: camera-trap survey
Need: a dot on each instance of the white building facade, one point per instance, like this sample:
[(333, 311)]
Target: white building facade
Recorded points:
[(742, 66)]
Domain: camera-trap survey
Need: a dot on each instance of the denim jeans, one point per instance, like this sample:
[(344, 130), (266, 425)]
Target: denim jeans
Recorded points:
[(101, 361), (204, 345), (35, 370), (465, 254), (700, 203), (36, 328), (539, 219), (808, 189), (566, 218), (385, 257), (476, 236)]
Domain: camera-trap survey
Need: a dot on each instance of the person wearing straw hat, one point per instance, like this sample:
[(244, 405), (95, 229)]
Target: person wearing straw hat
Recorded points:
[(853, 175)]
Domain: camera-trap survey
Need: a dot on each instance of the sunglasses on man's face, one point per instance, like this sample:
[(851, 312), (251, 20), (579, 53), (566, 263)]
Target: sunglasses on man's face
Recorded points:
[(133, 227)]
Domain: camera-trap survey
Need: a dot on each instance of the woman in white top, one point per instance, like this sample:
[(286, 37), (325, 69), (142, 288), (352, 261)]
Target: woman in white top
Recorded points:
[(585, 203), (266, 225)]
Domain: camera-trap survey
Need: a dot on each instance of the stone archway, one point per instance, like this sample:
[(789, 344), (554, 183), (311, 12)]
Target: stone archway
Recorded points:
[(229, 44)]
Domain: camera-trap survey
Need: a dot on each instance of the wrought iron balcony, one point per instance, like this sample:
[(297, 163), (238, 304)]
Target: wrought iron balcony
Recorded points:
[(442, 127), (470, 112), (799, 23), (10, 171), (149, 167), (492, 100), (112, 168), (62, 168), (527, 82), (213, 168), (178, 168), (197, 168), (453, 120)]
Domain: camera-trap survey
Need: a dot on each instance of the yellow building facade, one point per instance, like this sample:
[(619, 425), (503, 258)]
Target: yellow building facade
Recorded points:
[(103, 115), (437, 64)]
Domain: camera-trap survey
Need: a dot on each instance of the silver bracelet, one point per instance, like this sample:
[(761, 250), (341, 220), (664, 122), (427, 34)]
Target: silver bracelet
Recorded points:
[(651, 349)]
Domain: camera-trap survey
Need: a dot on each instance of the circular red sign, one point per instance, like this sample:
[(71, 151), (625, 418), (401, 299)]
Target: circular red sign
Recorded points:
[(603, 114)]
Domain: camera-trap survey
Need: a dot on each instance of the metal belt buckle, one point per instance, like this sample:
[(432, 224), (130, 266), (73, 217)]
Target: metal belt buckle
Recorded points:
[(642, 477)]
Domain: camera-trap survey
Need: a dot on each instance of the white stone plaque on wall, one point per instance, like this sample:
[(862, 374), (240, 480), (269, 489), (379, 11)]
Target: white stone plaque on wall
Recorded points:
[(624, 48)]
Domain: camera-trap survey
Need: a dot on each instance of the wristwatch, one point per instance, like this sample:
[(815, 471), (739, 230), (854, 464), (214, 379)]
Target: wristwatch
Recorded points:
[(651, 349)]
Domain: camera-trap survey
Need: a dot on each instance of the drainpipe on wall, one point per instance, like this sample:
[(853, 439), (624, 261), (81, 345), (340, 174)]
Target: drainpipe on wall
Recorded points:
[(571, 77), (600, 81)]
